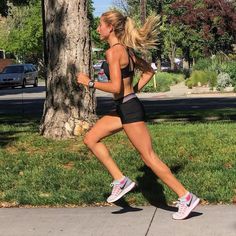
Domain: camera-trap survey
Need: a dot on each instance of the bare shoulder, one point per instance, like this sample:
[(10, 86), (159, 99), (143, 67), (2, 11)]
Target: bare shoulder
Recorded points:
[(113, 54)]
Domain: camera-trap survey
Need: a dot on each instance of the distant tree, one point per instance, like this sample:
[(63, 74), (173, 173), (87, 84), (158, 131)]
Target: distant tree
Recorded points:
[(22, 34), (214, 20)]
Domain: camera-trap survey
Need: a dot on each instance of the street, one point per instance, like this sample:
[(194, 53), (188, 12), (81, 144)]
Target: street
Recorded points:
[(30, 101)]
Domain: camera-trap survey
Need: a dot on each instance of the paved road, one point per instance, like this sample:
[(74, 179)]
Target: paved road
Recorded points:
[(115, 221), (22, 101), (30, 101)]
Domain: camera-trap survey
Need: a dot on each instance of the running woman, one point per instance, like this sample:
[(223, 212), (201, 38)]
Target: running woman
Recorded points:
[(123, 37)]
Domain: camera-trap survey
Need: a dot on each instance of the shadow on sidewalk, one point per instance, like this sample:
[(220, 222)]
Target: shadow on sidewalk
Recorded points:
[(125, 207), (152, 190)]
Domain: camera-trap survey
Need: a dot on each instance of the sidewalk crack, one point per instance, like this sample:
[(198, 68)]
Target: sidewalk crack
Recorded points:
[(151, 222)]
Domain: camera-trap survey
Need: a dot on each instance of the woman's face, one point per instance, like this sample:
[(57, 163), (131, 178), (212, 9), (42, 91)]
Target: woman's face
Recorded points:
[(103, 29)]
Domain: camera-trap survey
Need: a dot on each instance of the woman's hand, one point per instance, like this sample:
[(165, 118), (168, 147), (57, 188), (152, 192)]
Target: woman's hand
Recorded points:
[(82, 79)]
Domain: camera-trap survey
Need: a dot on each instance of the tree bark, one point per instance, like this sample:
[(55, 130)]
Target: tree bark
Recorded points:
[(172, 56), (68, 108)]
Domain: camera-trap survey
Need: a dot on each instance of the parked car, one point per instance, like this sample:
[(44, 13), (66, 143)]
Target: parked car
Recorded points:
[(97, 66), (19, 75)]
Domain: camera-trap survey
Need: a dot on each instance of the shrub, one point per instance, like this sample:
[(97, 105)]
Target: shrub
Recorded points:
[(199, 77), (212, 79), (189, 83), (163, 81), (231, 70), (203, 64), (223, 80)]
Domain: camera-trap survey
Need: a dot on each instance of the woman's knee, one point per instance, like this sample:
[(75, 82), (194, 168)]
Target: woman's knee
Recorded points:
[(89, 141), (148, 157)]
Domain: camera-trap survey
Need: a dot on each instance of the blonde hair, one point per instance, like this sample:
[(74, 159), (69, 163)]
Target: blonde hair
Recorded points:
[(129, 34)]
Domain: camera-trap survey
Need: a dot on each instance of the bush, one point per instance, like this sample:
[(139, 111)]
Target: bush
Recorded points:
[(200, 77), (203, 64), (212, 79), (223, 81), (231, 70), (206, 69), (163, 81)]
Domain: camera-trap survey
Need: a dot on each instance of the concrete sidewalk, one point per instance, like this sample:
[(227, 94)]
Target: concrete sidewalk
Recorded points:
[(114, 221)]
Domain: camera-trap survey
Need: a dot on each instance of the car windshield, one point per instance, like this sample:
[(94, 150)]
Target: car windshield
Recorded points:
[(13, 69)]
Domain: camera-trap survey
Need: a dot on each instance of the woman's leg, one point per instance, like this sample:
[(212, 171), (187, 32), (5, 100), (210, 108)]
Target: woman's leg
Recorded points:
[(104, 127), (139, 129)]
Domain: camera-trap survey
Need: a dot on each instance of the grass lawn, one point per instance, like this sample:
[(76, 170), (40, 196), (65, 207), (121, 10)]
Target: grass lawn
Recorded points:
[(39, 171)]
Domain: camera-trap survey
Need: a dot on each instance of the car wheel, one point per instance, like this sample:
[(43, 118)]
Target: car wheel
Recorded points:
[(36, 82), (23, 84)]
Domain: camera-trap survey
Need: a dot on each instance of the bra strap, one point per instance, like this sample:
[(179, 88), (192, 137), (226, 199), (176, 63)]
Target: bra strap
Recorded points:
[(116, 44)]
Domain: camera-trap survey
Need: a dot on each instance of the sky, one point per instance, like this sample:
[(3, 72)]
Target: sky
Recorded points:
[(101, 6)]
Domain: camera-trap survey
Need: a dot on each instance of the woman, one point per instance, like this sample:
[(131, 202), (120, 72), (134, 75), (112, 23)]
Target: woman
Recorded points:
[(122, 36)]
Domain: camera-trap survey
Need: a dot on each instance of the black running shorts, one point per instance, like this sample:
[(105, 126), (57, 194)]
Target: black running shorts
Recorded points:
[(130, 111)]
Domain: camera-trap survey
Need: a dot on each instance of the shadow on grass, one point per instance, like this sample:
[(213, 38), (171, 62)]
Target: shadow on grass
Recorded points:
[(14, 125), (152, 190)]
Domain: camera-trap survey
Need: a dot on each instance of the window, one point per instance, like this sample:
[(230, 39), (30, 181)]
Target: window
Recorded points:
[(13, 69)]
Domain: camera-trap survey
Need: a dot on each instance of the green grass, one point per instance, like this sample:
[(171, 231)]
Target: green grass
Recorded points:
[(39, 171)]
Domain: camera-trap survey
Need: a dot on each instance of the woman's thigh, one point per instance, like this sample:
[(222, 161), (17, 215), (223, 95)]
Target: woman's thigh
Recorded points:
[(139, 136), (107, 125)]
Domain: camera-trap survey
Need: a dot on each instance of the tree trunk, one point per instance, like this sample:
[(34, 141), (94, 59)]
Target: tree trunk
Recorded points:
[(68, 108), (186, 59), (172, 56)]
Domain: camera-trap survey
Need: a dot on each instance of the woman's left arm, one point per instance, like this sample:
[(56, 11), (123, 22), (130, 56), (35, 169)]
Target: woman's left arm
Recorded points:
[(147, 73)]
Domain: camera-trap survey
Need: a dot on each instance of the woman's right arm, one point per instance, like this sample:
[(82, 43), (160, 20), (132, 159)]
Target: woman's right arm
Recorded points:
[(147, 73)]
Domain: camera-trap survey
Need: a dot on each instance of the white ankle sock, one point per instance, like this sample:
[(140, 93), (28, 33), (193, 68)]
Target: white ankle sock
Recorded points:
[(120, 180), (185, 196)]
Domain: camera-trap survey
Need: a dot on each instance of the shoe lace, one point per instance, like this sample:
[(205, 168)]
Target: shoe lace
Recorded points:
[(182, 206), (115, 189)]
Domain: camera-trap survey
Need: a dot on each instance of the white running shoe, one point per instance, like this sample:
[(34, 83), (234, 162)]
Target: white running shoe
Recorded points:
[(120, 189), (186, 206)]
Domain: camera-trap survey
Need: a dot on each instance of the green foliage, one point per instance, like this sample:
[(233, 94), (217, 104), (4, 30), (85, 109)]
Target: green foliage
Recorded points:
[(25, 37), (163, 81), (220, 65), (97, 43), (201, 78), (202, 64), (230, 68), (223, 80)]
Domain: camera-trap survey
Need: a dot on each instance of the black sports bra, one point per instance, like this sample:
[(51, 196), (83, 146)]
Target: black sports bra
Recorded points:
[(126, 72)]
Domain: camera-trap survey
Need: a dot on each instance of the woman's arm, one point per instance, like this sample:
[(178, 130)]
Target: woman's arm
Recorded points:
[(112, 86), (147, 73)]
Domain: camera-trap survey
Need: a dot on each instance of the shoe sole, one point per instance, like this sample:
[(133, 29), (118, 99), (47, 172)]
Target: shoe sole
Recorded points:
[(191, 209), (126, 190)]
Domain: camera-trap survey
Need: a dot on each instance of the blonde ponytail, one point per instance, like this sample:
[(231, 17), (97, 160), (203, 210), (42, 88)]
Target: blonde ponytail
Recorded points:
[(143, 38)]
